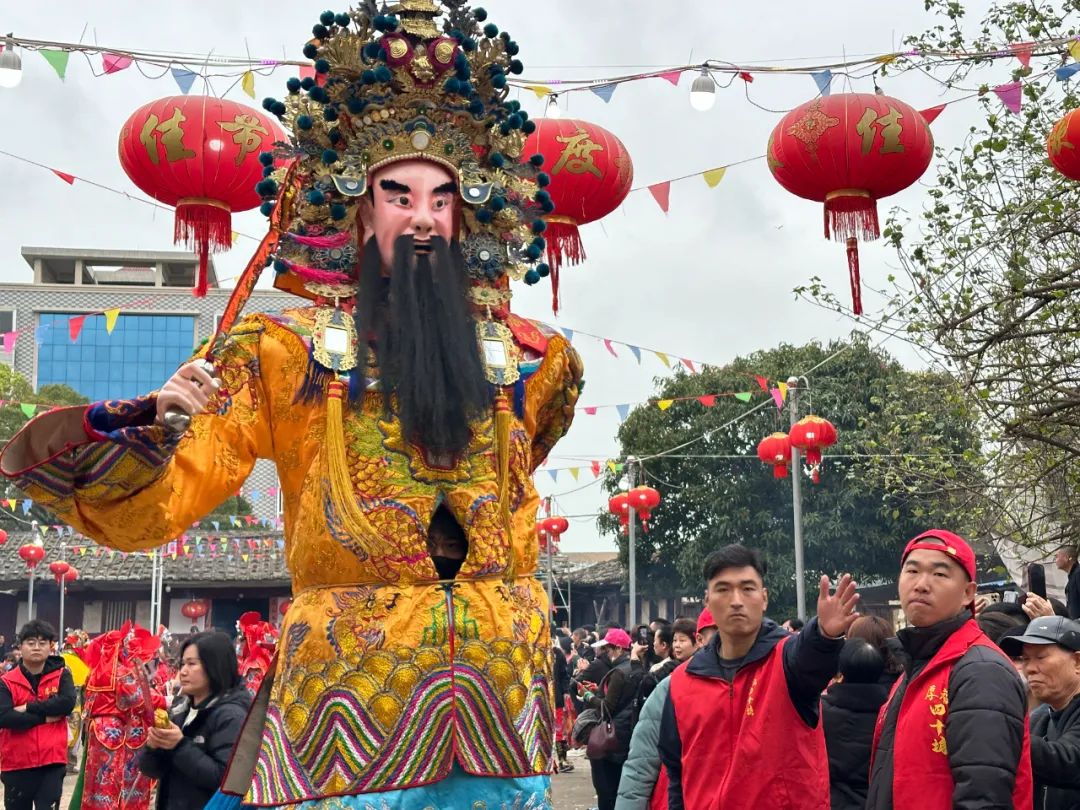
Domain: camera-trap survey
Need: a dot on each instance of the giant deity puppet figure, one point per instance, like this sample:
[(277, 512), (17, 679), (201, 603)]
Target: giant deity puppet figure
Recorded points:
[(406, 410)]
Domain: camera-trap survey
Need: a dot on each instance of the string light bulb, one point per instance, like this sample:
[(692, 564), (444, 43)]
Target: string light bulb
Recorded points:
[(553, 110), (703, 91), (10, 65)]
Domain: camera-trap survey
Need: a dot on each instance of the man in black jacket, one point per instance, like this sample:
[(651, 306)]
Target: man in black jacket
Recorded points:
[(1050, 651), (1065, 559), (965, 690)]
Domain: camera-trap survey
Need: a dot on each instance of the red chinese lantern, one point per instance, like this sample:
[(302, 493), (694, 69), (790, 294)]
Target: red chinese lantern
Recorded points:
[(812, 434), (70, 575), (550, 529), (3, 537), (644, 500), (31, 554), (201, 155), (619, 505), (1061, 145), (591, 174), (283, 607), (193, 609), (775, 450), (848, 151), (58, 569)]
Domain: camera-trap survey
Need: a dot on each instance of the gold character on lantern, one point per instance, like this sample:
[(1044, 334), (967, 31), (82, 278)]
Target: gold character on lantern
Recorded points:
[(577, 156), (172, 137), (891, 130), (246, 130)]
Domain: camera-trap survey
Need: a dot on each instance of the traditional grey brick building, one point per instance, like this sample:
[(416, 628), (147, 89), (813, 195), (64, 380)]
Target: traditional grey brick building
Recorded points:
[(159, 324)]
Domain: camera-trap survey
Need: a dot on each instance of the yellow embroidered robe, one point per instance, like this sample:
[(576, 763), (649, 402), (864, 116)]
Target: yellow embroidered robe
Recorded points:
[(385, 676)]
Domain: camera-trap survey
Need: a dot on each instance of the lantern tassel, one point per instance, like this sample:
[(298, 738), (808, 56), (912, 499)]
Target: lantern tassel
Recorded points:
[(203, 226), (780, 471), (853, 273), (851, 214)]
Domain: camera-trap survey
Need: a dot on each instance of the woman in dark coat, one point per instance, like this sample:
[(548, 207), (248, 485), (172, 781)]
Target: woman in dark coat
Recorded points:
[(849, 711), (190, 755)]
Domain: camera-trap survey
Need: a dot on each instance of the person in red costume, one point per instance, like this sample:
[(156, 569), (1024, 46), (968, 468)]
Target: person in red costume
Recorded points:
[(120, 704), (259, 640)]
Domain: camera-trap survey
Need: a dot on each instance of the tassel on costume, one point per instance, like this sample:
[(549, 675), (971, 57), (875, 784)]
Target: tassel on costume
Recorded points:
[(316, 378), (342, 498), (502, 445)]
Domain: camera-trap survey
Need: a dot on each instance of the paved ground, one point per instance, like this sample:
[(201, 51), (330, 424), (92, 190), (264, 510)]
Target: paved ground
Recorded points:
[(573, 791)]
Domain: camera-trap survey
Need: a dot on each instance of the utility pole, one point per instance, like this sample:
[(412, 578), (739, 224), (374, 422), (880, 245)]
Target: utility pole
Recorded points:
[(550, 566), (63, 590), (631, 461), (796, 502)]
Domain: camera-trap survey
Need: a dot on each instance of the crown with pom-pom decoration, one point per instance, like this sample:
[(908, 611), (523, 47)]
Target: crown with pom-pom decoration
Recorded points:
[(393, 85)]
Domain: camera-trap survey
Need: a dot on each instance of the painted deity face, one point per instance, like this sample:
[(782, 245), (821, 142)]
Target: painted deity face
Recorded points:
[(409, 198)]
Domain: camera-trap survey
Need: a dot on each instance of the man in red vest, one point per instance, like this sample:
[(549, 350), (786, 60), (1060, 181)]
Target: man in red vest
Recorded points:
[(739, 729), (35, 699), (953, 734)]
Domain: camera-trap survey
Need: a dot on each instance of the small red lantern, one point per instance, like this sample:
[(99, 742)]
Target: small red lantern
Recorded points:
[(591, 174), (194, 609), (1061, 145), (813, 434), (31, 554), (550, 529), (619, 505), (284, 605), (58, 569), (3, 537), (201, 155), (70, 575), (848, 151), (644, 500), (775, 450)]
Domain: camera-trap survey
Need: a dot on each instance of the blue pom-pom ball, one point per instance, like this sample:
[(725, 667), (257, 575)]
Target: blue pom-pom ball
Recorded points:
[(484, 216), (372, 50), (543, 196), (307, 83), (311, 50), (281, 266), (497, 160), (316, 197), (516, 66), (469, 44), (476, 108), (498, 81), (547, 207), (266, 188), (293, 85), (322, 66), (539, 226), (497, 203), (337, 211), (532, 277), (327, 18), (268, 103), (320, 31), (368, 77), (266, 209), (452, 86), (279, 108), (267, 171), (480, 14), (335, 136), (266, 158), (529, 127), (537, 160), (533, 252), (329, 156), (513, 48), (540, 242), (543, 180), (304, 121), (318, 94), (342, 20), (330, 114), (514, 120), (543, 270), (383, 74), (491, 30)]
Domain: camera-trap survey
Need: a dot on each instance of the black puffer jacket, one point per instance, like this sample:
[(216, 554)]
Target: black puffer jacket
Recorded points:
[(1055, 756), (849, 712), (985, 728), (191, 773)]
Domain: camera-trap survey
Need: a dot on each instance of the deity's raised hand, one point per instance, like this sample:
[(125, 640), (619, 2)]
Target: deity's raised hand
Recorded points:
[(186, 393)]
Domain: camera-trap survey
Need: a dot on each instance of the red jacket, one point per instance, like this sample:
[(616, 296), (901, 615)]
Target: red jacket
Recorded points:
[(44, 744), (922, 777), (744, 745)]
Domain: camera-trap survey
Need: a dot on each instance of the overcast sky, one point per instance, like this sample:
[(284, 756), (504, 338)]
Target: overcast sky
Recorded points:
[(709, 281)]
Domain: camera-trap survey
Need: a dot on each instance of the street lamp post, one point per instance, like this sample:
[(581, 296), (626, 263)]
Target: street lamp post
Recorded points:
[(796, 501), (631, 461)]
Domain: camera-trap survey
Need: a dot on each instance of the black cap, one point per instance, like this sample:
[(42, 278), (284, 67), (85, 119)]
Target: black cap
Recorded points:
[(1045, 630)]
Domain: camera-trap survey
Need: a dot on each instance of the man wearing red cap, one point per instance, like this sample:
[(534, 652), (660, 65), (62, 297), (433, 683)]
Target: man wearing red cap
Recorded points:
[(953, 734), (706, 627)]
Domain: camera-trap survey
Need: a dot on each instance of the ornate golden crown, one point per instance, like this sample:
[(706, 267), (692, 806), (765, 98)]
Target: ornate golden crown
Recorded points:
[(389, 87)]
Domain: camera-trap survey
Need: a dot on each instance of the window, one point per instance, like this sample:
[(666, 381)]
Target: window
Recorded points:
[(7, 324), (138, 357)]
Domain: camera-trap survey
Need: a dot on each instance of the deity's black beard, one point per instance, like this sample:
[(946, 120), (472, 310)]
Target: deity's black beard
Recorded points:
[(425, 342)]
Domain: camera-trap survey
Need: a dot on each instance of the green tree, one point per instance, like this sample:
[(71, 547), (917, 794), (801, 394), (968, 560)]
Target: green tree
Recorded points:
[(715, 491), (236, 506)]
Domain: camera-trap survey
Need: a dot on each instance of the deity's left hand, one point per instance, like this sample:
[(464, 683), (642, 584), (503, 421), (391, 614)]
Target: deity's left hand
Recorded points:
[(836, 613)]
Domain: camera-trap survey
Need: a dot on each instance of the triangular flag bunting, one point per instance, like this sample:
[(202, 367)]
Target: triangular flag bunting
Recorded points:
[(28, 409), (762, 382), (604, 91), (574, 472), (110, 319), (1066, 72), (672, 76), (539, 90), (690, 365), (714, 176), (26, 506), (931, 114), (247, 83), (662, 194), (9, 341), (623, 410), (664, 404), (1011, 95), (888, 58), (75, 326), (743, 396), (554, 475), (1074, 50), (595, 467), (590, 410), (783, 390), (823, 80), (11, 504), (114, 62), (235, 236), (609, 347), (67, 178), (663, 359), (58, 60), (637, 353), (569, 334), (708, 400), (1022, 51), (184, 79), (777, 398), (746, 77)]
